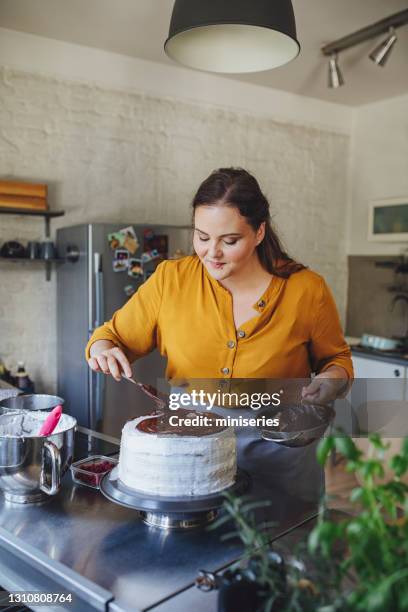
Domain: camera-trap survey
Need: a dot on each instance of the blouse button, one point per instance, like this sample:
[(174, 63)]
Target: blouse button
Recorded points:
[(261, 303), (231, 344), (225, 370), (241, 333)]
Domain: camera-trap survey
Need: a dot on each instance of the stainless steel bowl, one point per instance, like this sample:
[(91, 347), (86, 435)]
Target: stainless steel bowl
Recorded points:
[(303, 425), (34, 401), (31, 467)]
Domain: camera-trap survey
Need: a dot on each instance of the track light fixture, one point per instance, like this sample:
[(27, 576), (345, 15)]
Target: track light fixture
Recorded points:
[(335, 76), (382, 52), (379, 55)]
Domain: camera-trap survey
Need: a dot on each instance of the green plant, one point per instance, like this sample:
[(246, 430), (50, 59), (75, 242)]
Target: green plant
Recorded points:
[(376, 537), (357, 563), (281, 585)]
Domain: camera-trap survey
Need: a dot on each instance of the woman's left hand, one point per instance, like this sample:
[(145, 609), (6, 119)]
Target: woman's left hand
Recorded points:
[(326, 387)]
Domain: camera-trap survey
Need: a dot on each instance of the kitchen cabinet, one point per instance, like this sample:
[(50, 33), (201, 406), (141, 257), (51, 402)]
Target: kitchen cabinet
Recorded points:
[(378, 380), (364, 367), (379, 389)]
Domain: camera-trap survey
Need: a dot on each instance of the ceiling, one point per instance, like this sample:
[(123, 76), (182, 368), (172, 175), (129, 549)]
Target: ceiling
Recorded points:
[(138, 28)]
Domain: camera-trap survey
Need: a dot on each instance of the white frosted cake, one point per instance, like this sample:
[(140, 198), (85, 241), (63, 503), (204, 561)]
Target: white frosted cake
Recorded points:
[(159, 459)]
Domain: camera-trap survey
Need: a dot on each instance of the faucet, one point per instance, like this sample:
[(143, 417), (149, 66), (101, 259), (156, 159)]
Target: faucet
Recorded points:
[(401, 297)]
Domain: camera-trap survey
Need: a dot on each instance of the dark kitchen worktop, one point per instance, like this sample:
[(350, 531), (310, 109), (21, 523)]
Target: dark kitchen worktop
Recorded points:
[(378, 355), (80, 542)]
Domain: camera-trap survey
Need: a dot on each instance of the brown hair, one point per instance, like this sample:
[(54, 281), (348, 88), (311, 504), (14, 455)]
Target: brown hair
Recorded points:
[(238, 188)]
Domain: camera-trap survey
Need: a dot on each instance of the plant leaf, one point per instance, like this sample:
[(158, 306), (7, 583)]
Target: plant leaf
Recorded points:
[(354, 528), (378, 599), (399, 464), (358, 495), (346, 447), (323, 536), (372, 467), (324, 447), (255, 505), (377, 441)]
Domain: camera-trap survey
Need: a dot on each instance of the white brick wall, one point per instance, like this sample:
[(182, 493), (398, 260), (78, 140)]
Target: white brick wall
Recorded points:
[(111, 155)]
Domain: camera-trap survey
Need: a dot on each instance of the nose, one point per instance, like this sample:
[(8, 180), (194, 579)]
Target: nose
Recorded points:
[(214, 249)]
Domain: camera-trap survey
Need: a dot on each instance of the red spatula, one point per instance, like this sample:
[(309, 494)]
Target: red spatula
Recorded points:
[(51, 422)]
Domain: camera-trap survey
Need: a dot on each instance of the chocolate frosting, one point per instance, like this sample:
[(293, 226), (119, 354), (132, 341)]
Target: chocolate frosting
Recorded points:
[(159, 423)]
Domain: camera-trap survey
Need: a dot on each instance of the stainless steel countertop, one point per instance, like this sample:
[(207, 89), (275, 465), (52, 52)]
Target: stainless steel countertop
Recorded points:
[(7, 390), (105, 547)]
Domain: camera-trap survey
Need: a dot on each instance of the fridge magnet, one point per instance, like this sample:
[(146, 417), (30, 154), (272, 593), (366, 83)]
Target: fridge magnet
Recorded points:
[(122, 255), (158, 242), (148, 234), (130, 241), (135, 268), (114, 240), (119, 266), (129, 290), (125, 238), (121, 260), (150, 255)]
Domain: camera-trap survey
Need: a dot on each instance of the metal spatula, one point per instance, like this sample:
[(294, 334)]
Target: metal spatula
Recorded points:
[(150, 391)]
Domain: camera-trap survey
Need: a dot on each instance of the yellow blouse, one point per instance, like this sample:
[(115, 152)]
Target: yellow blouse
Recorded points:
[(188, 316)]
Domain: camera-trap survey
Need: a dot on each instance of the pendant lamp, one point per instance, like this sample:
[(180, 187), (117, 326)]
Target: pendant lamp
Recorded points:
[(232, 36)]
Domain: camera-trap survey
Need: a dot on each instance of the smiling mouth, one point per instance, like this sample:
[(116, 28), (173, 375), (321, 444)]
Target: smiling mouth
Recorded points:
[(216, 264)]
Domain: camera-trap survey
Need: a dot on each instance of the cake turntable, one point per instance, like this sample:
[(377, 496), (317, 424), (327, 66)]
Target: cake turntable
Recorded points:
[(171, 512)]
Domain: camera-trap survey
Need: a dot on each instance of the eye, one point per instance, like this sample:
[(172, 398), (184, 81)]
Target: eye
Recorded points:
[(203, 239), (231, 242)]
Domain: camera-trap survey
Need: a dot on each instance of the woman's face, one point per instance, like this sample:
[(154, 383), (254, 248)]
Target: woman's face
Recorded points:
[(224, 241)]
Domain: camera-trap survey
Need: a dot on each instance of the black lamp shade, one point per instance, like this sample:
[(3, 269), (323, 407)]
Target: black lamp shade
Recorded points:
[(232, 36)]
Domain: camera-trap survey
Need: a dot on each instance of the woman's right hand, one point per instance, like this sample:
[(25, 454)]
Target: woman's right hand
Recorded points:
[(108, 358)]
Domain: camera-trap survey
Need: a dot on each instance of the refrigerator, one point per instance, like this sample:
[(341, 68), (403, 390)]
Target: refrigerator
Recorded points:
[(89, 291)]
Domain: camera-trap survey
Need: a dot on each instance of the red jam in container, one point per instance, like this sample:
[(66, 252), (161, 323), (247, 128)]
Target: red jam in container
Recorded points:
[(90, 471)]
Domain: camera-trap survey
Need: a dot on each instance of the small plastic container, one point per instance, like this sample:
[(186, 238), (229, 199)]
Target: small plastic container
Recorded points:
[(90, 471)]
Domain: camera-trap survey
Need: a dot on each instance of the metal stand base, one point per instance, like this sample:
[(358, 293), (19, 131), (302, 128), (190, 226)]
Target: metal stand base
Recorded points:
[(173, 521), (171, 512), (26, 498)]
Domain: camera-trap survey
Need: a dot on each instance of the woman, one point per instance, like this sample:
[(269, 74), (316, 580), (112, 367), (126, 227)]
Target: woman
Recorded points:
[(239, 308)]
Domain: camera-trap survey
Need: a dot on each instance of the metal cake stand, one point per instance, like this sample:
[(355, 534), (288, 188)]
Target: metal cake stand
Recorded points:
[(171, 512)]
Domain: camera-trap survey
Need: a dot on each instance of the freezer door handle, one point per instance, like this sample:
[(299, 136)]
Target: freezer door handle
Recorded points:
[(99, 393), (98, 379), (99, 310), (96, 395)]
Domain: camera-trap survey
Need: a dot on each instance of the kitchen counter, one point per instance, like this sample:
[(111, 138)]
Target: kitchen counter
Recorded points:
[(79, 542), (7, 390), (378, 355)]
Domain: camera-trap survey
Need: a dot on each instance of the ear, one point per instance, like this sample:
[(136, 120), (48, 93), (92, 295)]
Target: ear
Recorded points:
[(260, 233)]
